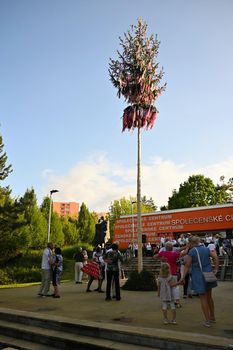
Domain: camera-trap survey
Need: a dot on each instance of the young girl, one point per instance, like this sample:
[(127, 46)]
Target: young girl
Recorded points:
[(165, 285), (57, 271)]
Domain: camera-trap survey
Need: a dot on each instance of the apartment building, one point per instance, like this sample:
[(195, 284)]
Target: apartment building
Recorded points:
[(66, 208)]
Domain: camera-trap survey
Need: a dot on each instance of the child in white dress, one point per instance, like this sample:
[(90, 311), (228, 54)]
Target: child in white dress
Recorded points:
[(165, 286)]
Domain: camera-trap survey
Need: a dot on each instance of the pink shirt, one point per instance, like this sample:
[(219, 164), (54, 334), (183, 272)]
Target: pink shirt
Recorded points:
[(171, 258)]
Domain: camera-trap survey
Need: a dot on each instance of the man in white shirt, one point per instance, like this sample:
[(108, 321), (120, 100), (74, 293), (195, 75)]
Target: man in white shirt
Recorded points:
[(46, 271)]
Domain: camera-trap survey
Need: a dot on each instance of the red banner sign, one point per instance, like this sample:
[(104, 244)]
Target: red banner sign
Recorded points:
[(168, 223)]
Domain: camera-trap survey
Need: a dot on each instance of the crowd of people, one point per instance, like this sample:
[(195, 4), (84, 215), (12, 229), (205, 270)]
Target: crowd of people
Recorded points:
[(222, 246), (105, 263), (183, 262)]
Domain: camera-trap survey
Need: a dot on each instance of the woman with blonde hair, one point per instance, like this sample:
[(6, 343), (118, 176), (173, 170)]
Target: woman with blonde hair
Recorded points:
[(199, 261)]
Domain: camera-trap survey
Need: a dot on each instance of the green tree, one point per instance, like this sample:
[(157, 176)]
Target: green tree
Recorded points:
[(70, 231), (124, 206), (148, 205), (86, 225), (196, 191), (135, 75), (4, 169), (13, 238), (38, 229), (45, 207), (35, 222), (225, 189), (57, 234)]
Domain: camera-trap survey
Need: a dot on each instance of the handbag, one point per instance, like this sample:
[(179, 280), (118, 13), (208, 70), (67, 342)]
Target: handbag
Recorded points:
[(208, 276)]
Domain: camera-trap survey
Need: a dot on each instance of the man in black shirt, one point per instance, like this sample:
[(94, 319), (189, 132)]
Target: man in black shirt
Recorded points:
[(113, 258)]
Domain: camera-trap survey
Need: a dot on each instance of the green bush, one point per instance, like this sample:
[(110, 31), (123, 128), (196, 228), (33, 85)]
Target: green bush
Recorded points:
[(68, 269), (16, 274), (29, 259), (4, 278), (68, 252), (143, 281), (26, 268), (24, 274)]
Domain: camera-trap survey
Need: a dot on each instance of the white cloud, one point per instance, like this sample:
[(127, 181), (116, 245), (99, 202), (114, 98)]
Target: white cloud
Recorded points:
[(97, 181)]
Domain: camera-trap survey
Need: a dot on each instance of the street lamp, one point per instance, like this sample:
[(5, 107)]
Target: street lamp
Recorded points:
[(50, 211)]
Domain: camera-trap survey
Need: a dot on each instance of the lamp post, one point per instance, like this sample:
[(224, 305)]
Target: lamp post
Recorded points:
[(50, 211)]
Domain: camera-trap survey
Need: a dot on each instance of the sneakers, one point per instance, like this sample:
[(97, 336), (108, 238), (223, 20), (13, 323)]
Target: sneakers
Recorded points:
[(207, 324), (213, 321), (166, 321), (56, 296), (173, 322), (88, 291)]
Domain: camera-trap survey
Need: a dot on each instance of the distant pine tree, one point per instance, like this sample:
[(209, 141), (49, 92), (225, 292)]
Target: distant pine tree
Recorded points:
[(86, 225), (4, 170)]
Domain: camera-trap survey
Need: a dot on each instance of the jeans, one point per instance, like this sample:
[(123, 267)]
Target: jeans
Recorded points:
[(113, 276)]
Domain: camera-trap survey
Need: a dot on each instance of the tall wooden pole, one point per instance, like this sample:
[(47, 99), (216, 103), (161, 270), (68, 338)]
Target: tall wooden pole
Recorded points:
[(139, 216)]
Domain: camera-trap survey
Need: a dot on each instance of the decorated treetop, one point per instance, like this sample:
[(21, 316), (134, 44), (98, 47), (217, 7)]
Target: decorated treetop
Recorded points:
[(135, 74)]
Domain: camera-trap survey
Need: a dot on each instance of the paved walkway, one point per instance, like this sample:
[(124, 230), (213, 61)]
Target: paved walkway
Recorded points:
[(136, 309)]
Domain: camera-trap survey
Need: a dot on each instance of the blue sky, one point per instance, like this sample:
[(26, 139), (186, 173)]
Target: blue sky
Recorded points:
[(60, 116)]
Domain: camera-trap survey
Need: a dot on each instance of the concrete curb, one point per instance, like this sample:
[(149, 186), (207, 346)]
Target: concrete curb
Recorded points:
[(154, 338)]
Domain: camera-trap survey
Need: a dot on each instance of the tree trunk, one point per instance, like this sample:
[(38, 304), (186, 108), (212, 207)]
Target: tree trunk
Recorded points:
[(139, 216)]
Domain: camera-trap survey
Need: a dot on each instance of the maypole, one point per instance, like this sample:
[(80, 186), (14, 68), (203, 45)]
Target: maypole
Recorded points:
[(135, 75)]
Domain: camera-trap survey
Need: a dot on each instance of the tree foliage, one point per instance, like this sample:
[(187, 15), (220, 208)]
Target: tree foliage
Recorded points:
[(13, 237), (24, 225), (124, 206), (226, 188), (56, 233), (35, 221), (86, 225), (70, 231), (4, 169), (197, 191), (136, 76)]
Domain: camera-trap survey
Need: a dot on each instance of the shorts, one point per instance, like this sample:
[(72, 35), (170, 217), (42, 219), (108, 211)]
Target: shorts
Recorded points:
[(168, 305)]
